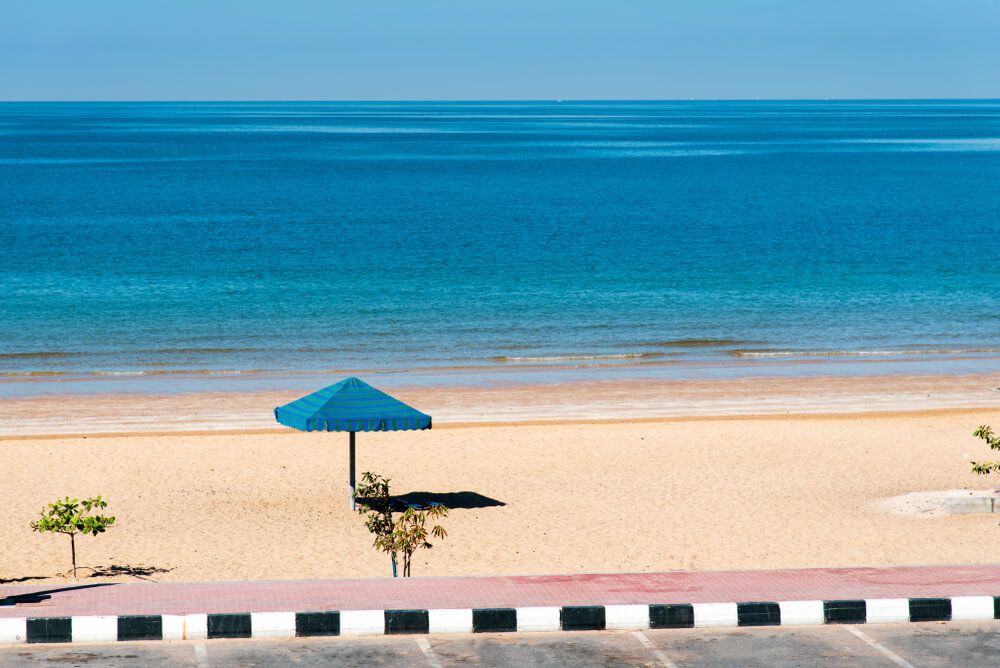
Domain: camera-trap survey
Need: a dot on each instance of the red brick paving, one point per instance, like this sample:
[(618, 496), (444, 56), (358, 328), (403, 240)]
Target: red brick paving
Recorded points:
[(150, 598)]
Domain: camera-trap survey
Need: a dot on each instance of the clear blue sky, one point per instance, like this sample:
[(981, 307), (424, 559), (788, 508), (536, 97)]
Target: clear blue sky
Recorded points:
[(474, 50)]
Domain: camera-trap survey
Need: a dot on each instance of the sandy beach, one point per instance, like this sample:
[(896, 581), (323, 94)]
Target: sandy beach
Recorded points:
[(141, 411), (746, 489)]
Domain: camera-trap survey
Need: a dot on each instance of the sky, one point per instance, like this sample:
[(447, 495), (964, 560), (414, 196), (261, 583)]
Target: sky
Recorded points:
[(487, 50)]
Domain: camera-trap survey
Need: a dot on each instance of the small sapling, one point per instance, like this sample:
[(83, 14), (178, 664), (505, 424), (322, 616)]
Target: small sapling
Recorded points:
[(70, 517), (401, 535)]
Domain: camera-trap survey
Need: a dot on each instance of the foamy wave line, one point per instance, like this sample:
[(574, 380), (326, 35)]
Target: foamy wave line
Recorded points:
[(199, 350), (858, 353), (29, 374), (694, 343), (119, 374), (42, 354), (38, 355), (575, 358)]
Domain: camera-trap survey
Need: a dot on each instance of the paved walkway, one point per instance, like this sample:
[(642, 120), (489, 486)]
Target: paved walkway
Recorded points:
[(170, 598)]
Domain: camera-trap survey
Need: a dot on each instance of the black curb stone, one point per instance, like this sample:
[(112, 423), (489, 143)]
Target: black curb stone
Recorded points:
[(930, 609), (491, 620), (758, 614), (845, 612), (140, 627), (50, 629), (677, 616), (230, 626), (317, 624), (407, 621), (494, 620), (582, 618)]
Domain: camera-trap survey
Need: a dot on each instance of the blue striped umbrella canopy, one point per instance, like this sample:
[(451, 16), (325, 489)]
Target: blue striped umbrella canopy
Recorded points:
[(351, 405)]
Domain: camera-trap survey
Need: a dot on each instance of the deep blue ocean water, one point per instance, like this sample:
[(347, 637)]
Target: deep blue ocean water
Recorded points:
[(227, 237)]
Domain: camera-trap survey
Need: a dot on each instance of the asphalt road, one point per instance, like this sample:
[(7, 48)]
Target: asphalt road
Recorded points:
[(951, 645)]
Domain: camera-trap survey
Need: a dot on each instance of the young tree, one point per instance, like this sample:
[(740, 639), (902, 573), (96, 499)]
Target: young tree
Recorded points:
[(985, 468), (67, 517), (410, 533), (375, 505), (403, 535)]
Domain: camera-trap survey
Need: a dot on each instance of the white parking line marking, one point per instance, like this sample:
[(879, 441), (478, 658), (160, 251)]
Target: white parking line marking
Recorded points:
[(652, 648), (201, 655), (895, 658), (425, 647)]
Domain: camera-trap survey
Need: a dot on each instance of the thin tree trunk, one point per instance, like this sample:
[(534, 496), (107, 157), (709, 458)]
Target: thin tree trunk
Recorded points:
[(72, 549)]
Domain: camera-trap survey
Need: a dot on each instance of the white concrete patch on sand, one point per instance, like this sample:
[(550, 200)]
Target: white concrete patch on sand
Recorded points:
[(927, 505)]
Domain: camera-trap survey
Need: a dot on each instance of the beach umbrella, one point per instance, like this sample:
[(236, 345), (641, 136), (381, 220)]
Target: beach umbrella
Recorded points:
[(351, 405)]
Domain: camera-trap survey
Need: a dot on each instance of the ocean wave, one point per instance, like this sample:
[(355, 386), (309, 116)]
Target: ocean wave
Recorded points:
[(660, 153), (45, 354), (201, 350), (95, 161), (39, 355), (574, 358), (299, 128), (31, 374), (221, 372), (120, 374), (692, 343), (860, 353)]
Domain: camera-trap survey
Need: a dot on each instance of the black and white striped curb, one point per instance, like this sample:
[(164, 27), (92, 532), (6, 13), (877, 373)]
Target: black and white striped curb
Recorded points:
[(109, 628)]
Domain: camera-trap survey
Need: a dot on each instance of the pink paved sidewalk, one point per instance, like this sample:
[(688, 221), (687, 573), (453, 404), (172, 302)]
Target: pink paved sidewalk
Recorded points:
[(149, 598)]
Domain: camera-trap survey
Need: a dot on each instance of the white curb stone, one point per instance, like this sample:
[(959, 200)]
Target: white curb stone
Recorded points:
[(272, 624), (797, 613), (626, 617), (102, 628), (13, 630), (538, 619), (185, 627), (971, 608), (362, 622), (715, 614), (457, 620), (887, 610)]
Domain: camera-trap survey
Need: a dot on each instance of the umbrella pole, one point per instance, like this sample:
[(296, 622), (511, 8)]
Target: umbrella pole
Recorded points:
[(351, 481)]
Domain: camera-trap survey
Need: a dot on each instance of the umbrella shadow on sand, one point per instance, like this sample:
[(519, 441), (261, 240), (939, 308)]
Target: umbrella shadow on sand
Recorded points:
[(450, 500)]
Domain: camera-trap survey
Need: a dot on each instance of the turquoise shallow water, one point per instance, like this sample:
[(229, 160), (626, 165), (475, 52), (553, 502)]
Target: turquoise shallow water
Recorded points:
[(216, 239)]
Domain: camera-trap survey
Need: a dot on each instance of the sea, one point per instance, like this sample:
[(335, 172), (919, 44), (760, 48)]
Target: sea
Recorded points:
[(169, 247)]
